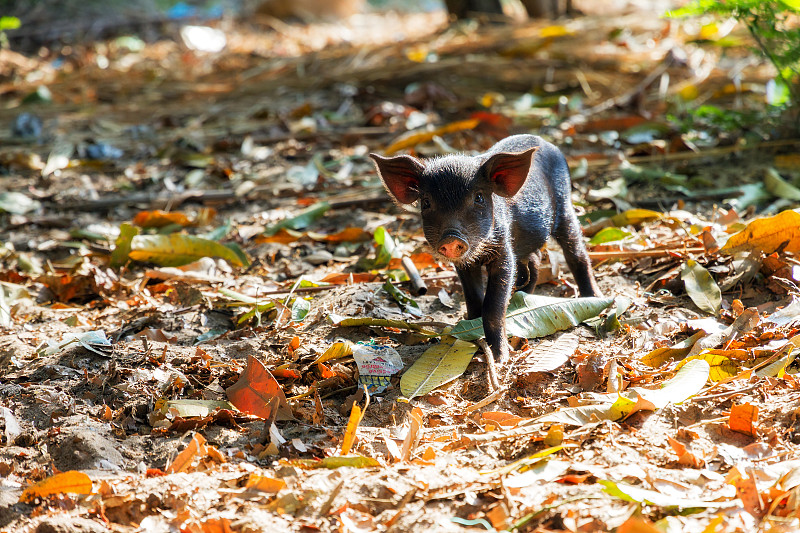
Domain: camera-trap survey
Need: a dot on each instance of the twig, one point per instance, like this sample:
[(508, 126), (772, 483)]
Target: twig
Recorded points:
[(486, 401), (637, 254), (333, 286), (725, 394), (494, 384)]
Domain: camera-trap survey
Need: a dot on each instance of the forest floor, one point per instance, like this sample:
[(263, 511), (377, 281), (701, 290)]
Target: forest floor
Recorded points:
[(122, 339)]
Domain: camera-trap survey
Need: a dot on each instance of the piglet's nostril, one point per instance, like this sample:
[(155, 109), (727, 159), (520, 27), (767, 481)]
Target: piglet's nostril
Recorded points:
[(453, 247)]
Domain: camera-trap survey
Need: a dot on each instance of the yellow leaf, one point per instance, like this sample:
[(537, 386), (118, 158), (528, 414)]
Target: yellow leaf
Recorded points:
[(178, 249), (722, 366), (264, 483), (689, 92), (631, 217), (72, 482), (337, 350), (415, 138), (439, 364), (337, 461), (767, 235), (659, 356), (555, 31)]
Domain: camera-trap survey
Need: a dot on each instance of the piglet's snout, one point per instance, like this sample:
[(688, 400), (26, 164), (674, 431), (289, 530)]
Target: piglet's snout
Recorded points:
[(452, 245)]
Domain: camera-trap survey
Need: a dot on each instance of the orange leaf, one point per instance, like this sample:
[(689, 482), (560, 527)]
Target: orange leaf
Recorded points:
[(282, 236), (294, 344), (637, 525), (258, 393), (215, 525), (413, 139), (420, 260), (353, 277), (265, 483), (286, 373), (748, 492), (350, 432), (501, 418), (350, 234), (159, 219), (72, 482), (685, 457), (184, 459), (743, 419)]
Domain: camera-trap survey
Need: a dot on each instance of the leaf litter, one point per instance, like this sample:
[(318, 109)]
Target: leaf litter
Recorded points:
[(217, 391)]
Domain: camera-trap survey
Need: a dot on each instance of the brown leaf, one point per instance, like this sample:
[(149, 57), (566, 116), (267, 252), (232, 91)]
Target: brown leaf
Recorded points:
[(747, 491)]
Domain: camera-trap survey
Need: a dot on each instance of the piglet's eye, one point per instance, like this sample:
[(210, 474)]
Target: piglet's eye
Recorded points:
[(479, 199), (426, 204)]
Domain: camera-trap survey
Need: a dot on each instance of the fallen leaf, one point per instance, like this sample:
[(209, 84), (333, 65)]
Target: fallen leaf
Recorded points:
[(768, 235), (438, 365), (258, 393), (71, 482), (701, 287), (179, 249), (743, 419), (527, 318), (264, 483)]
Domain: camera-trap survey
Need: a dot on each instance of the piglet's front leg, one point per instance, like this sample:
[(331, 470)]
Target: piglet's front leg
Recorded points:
[(501, 275), (471, 279)]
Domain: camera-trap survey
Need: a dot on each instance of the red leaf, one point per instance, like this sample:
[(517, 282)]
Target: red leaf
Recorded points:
[(258, 393)]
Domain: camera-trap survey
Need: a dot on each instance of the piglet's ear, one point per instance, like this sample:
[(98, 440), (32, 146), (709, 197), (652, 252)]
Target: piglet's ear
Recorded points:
[(400, 176), (509, 170)]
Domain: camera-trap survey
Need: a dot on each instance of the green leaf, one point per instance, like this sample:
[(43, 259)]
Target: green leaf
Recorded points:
[(630, 493), (300, 309), (701, 287), (528, 318), (219, 233), (302, 220), (775, 184), (178, 249), (122, 248), (406, 303), (338, 320), (439, 364), (236, 249), (609, 235), (9, 23), (17, 203), (794, 5), (386, 247)]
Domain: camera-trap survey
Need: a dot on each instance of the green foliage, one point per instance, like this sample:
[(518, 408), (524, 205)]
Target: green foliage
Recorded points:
[(716, 121), (768, 23), (7, 23)]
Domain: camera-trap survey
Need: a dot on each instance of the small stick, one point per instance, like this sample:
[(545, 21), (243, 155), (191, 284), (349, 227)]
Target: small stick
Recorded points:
[(486, 401), (418, 287), (494, 383)]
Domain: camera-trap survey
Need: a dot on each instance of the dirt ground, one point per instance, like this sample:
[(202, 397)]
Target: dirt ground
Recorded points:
[(283, 119)]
